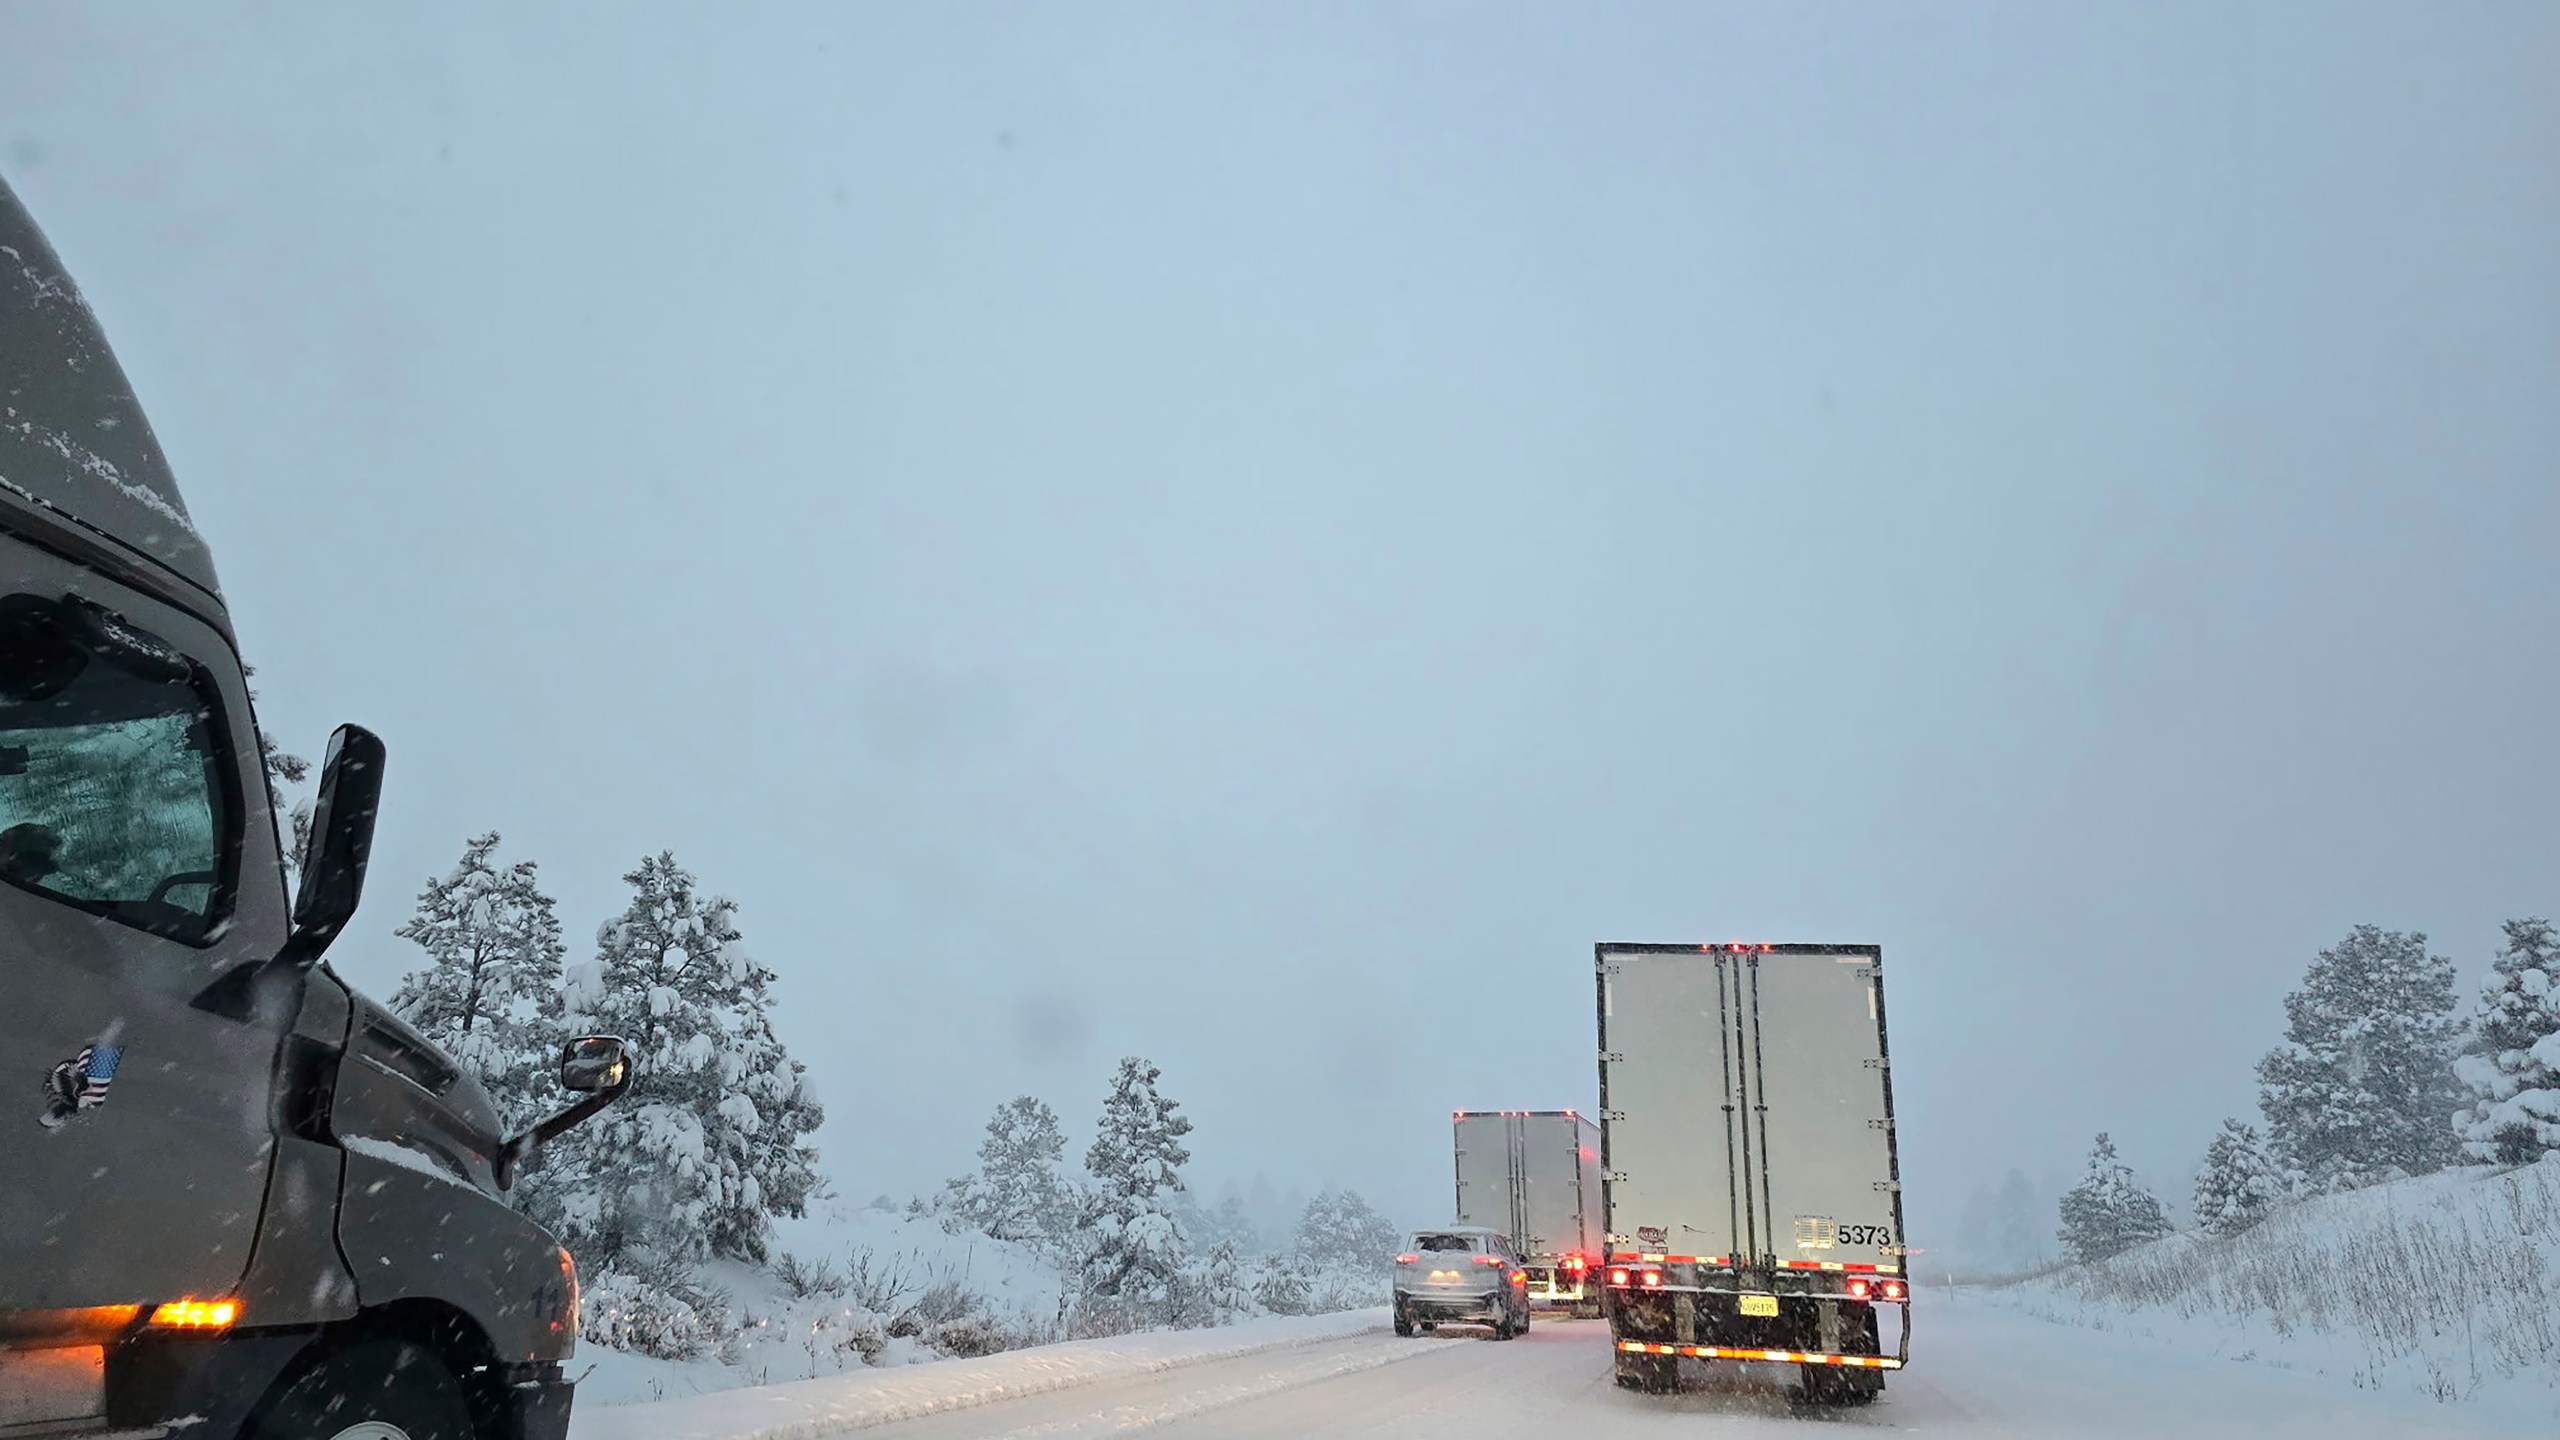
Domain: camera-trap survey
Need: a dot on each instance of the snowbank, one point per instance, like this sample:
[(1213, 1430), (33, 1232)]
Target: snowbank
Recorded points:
[(2448, 1284), (874, 1265), (856, 1401), (853, 1290)]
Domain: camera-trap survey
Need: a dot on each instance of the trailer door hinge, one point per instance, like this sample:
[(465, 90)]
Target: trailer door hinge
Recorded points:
[(1616, 1177), (1876, 1063), (1612, 1057), (1888, 1187), (1879, 1124), (1613, 1115)]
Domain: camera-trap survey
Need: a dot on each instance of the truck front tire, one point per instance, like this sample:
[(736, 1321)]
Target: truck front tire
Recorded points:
[(374, 1390)]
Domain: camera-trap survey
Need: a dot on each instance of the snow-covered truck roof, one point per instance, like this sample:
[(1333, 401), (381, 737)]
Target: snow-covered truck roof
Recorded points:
[(73, 440)]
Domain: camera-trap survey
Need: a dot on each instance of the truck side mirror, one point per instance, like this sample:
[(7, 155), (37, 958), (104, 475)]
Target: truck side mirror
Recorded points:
[(597, 1066), (341, 841), (593, 1062)]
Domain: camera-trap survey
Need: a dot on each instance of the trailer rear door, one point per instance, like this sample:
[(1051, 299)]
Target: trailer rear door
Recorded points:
[(1484, 1169), (1747, 1108), (1552, 1164)]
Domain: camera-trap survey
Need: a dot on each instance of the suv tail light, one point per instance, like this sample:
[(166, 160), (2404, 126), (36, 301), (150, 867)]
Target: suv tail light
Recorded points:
[(1407, 1259), (1488, 1259)]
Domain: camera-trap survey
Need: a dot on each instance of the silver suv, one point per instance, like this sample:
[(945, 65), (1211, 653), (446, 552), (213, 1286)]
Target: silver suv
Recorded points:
[(1462, 1274)]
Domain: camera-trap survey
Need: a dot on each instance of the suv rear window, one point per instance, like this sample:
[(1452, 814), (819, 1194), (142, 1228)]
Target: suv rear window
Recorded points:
[(112, 769), (1444, 1243)]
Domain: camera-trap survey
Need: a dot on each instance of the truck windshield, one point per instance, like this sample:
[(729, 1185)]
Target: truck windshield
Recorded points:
[(109, 782)]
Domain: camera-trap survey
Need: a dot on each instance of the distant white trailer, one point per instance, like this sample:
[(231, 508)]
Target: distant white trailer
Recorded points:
[(1534, 1175), (1754, 1195)]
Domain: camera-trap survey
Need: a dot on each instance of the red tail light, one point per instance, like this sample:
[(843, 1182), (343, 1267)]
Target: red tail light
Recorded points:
[(1407, 1259), (1618, 1277), (1576, 1262), (1519, 1277), (1859, 1289), (1896, 1290), (1488, 1259), (1653, 1279)]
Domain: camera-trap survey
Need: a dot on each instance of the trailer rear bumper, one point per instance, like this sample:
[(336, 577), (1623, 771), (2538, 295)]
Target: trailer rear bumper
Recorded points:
[(1784, 1357), (1559, 1286)]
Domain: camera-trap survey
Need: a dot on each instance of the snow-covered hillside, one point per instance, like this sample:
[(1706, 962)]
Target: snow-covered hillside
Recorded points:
[(857, 1286), (2448, 1284)]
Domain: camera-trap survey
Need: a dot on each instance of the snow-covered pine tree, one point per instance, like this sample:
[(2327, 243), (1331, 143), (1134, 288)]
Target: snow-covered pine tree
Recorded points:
[(489, 991), (1230, 1298), (2237, 1185), (2510, 1062), (1225, 1224), (1135, 1246), (1339, 1230), (711, 1142), (1020, 1190), (1280, 1287), (2109, 1212), (2362, 1089)]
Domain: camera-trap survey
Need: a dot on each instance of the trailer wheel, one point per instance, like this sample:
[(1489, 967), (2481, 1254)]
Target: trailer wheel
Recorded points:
[(378, 1390)]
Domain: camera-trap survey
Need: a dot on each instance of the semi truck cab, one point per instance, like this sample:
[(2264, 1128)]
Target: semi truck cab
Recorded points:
[(237, 1198)]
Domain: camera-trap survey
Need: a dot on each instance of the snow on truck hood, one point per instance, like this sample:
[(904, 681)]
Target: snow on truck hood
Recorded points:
[(72, 437)]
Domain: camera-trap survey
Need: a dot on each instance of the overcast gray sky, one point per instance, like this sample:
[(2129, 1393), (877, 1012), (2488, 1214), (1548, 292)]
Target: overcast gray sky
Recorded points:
[(1254, 536)]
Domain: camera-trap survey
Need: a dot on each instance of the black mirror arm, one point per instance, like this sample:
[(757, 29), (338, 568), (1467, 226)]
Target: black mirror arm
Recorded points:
[(513, 1154), (304, 946)]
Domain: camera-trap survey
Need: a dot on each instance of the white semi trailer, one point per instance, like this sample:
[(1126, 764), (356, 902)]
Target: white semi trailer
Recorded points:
[(1534, 1175), (1754, 1197)]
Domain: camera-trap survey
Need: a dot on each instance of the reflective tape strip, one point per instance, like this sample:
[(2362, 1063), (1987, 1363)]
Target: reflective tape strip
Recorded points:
[(1790, 1357)]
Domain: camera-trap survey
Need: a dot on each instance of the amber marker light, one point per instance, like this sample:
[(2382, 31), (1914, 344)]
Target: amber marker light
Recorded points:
[(195, 1314)]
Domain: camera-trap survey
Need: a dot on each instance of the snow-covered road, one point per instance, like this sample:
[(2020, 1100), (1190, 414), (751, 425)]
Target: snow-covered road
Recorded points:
[(1983, 1371)]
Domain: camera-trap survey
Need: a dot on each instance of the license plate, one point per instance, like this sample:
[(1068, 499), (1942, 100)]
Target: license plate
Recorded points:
[(1764, 1306), (1439, 1275)]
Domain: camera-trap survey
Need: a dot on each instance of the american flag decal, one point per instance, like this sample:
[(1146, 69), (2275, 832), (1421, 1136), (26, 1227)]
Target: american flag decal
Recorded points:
[(80, 1083), (98, 1071)]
